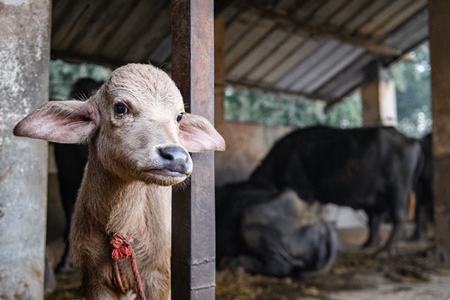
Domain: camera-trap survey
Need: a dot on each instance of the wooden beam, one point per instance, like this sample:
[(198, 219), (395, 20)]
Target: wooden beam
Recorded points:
[(219, 69), (330, 101), (76, 58), (439, 10), (193, 215), (320, 30), (379, 105)]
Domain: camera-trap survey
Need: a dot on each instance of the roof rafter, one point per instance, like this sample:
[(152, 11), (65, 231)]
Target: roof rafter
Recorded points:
[(72, 57), (321, 30)]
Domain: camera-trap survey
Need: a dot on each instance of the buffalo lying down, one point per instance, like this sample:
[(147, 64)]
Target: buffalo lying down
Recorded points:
[(366, 168), (270, 233)]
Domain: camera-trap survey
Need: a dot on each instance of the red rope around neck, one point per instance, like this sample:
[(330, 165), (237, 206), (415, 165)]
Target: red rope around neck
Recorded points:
[(122, 249)]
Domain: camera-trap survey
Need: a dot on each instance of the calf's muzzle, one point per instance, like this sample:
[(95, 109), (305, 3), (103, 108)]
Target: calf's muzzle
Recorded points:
[(176, 159)]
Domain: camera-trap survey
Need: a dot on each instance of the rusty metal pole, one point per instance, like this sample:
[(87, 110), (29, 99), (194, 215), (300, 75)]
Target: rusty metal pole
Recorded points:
[(440, 88), (193, 215)]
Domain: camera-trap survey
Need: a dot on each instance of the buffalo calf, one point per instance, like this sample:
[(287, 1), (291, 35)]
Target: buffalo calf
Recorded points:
[(139, 137)]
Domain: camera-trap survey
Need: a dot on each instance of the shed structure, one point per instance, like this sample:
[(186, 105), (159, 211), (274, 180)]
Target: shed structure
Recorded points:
[(322, 49)]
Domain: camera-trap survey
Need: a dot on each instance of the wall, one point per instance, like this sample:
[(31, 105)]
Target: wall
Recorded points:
[(247, 144)]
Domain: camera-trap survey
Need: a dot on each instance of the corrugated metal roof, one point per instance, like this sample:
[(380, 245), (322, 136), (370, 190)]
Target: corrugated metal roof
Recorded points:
[(315, 48)]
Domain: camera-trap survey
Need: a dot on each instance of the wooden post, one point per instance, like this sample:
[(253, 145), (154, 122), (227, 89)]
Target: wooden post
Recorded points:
[(219, 69), (439, 10), (24, 65), (378, 97), (219, 92), (193, 216)]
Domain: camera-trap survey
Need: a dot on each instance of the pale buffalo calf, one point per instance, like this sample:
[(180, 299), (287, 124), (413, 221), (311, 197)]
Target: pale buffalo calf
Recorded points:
[(139, 137)]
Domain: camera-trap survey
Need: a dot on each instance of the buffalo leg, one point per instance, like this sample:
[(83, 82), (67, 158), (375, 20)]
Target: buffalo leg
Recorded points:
[(398, 215), (398, 218), (419, 223), (374, 229)]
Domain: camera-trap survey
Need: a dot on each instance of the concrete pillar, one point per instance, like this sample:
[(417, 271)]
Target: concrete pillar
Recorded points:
[(379, 103), (24, 63), (439, 10)]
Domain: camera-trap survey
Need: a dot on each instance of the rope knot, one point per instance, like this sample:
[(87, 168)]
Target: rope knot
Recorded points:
[(122, 249), (121, 246)]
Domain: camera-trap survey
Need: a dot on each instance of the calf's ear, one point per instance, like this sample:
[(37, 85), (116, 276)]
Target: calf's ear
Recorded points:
[(68, 122), (197, 134)]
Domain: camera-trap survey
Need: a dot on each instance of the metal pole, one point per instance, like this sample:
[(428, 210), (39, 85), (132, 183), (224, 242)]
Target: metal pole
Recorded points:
[(440, 88), (193, 216)]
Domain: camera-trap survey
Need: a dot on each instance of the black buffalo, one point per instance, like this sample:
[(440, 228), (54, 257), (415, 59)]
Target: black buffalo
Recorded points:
[(265, 232), (424, 189), (366, 168)]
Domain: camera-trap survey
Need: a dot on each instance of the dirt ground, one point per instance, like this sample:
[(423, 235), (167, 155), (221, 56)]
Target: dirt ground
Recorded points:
[(411, 272)]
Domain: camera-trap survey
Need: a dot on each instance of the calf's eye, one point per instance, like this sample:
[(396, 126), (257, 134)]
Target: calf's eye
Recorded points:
[(120, 109), (179, 117)]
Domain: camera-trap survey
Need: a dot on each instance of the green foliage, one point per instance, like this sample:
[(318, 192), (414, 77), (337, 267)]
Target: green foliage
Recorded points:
[(413, 91), (63, 75), (269, 109), (273, 110), (346, 114)]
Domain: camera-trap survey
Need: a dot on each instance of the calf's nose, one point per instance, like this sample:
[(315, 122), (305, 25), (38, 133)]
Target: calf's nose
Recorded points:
[(176, 159)]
